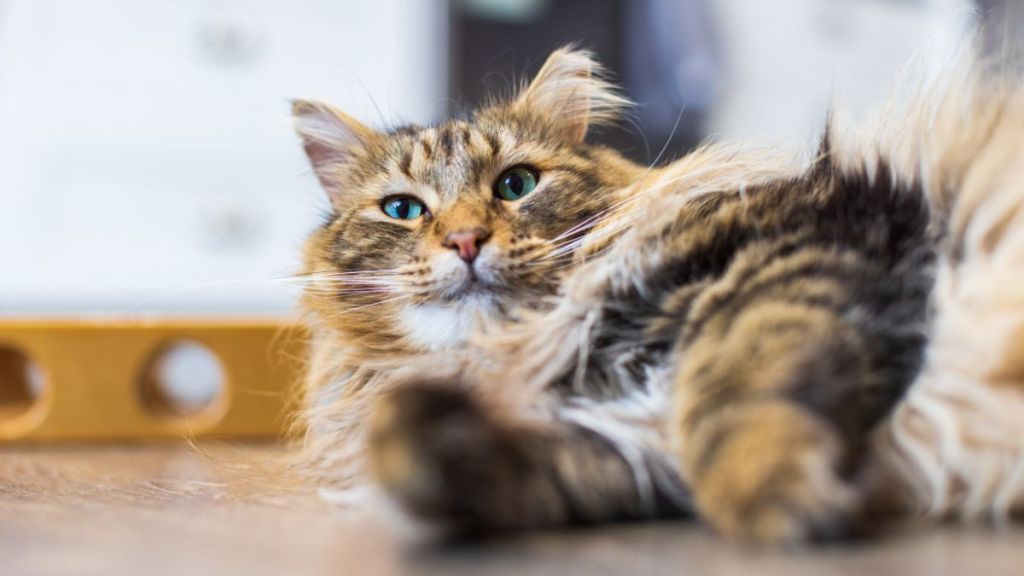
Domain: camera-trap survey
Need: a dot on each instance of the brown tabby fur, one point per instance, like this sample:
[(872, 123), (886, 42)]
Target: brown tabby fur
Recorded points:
[(723, 334)]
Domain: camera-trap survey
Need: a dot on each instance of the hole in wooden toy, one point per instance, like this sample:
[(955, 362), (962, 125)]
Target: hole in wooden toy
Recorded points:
[(184, 378), (21, 383)]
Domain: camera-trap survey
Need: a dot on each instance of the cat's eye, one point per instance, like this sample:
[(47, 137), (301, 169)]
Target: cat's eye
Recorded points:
[(403, 207), (515, 183)]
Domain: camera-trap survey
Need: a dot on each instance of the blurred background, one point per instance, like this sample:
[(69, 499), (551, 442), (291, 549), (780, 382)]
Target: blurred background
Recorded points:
[(147, 163)]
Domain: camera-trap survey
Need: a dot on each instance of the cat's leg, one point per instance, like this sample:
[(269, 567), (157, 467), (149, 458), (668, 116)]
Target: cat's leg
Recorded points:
[(778, 386), (445, 457)]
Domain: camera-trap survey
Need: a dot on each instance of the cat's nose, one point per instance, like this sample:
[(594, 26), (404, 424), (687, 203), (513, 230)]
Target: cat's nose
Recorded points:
[(467, 242)]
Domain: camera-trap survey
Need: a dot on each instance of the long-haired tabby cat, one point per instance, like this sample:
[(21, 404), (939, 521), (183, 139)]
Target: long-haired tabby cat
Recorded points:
[(513, 328)]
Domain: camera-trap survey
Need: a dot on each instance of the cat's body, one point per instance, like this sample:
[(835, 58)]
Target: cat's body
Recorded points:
[(724, 334)]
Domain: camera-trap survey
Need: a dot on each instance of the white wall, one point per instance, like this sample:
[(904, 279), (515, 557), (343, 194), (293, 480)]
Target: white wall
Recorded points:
[(785, 60), (146, 160)]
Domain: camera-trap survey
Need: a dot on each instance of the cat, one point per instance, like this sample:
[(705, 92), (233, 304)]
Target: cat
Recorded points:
[(513, 328)]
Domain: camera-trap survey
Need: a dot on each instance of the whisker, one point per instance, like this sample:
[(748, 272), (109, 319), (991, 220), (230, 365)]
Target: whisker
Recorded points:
[(599, 215), (370, 305), (159, 296), (602, 234), (335, 274)]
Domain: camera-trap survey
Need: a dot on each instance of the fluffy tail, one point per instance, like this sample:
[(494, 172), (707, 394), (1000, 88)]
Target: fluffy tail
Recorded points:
[(958, 437)]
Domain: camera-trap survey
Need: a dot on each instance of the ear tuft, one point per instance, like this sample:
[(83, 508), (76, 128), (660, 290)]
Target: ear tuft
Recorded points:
[(570, 92), (329, 137)]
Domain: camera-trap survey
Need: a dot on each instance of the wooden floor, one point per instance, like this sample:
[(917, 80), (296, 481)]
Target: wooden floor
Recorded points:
[(224, 510)]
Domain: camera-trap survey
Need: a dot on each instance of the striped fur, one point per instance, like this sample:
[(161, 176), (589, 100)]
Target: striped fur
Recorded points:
[(733, 334)]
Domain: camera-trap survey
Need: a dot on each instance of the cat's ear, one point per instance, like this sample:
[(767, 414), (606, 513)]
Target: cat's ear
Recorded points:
[(330, 138), (570, 95)]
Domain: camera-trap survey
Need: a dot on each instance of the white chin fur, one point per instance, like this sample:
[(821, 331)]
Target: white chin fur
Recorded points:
[(437, 326)]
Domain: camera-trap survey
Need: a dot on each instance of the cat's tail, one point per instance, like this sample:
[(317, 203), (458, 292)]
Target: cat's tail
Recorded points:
[(957, 438)]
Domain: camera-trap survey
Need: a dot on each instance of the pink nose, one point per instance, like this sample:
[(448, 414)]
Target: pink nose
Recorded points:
[(467, 242)]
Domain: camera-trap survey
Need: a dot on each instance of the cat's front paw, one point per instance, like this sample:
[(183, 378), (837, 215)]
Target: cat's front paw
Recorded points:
[(443, 458), (773, 479)]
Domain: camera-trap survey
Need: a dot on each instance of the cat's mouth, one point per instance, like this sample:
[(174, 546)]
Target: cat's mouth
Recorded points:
[(471, 285), (472, 282)]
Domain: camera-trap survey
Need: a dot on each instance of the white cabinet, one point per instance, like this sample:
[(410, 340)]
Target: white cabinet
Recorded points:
[(146, 158)]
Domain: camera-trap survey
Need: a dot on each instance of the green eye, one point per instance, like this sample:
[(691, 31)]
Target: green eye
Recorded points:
[(403, 207), (515, 183)]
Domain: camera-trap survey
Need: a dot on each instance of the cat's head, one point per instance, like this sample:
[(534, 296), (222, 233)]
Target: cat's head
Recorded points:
[(432, 226)]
